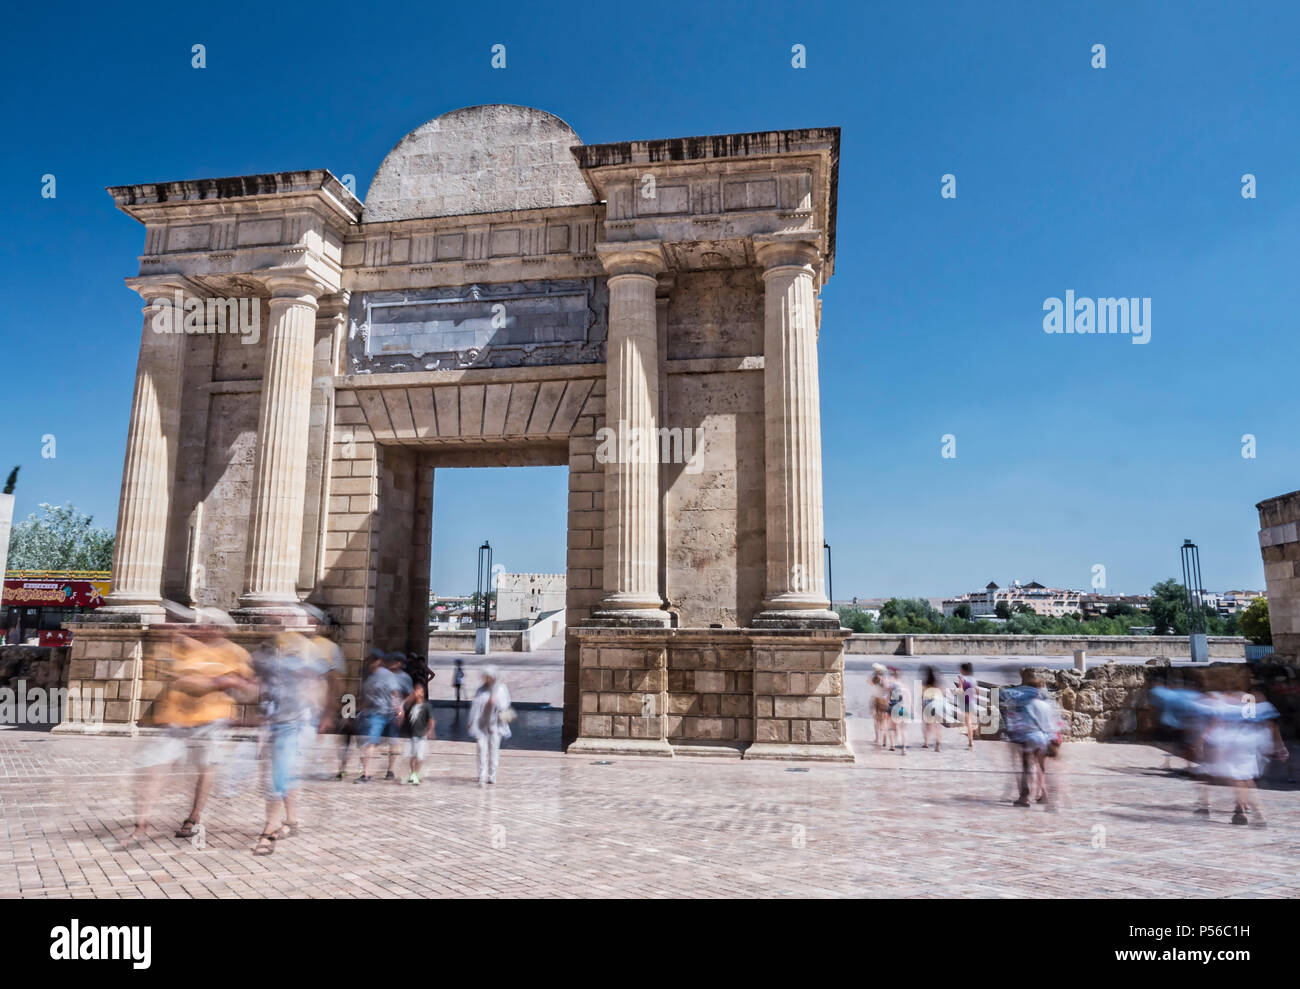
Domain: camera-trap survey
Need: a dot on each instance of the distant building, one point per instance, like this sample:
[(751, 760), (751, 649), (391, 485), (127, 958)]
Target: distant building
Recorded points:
[(1096, 605), (1230, 602), (527, 596), (1051, 602)]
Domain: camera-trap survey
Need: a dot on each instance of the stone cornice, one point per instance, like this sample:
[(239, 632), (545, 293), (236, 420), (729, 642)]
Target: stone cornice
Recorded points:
[(150, 201)]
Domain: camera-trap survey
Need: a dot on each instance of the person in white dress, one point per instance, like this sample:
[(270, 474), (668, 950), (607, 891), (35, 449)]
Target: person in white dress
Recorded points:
[(490, 715)]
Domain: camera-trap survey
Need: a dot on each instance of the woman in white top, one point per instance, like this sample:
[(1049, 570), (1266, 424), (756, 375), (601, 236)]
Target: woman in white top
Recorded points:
[(490, 715)]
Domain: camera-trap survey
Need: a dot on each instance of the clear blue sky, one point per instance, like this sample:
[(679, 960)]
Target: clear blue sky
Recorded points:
[(1126, 181)]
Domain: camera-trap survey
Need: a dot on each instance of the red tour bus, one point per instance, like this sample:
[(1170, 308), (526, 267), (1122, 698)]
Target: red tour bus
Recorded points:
[(37, 602)]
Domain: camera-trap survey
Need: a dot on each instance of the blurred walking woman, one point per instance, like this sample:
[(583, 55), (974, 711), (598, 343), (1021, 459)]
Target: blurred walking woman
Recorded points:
[(489, 722)]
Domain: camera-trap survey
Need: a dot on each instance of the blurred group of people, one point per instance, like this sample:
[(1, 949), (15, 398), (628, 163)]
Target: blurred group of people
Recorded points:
[(888, 699), (1228, 739), (288, 688)]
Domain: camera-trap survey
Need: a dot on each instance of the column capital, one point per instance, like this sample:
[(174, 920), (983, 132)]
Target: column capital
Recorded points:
[(632, 257), (291, 283), (154, 287), (798, 248)]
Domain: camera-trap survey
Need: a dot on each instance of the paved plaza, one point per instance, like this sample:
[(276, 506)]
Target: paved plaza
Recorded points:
[(922, 825)]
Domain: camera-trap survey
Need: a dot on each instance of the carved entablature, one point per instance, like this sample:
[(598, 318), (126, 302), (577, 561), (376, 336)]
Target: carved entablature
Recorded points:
[(216, 230), (516, 324), (706, 198), (519, 245), (540, 206)]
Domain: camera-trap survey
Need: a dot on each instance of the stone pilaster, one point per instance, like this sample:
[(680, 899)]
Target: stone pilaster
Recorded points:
[(1279, 543), (280, 476), (796, 585), (149, 469), (631, 459)]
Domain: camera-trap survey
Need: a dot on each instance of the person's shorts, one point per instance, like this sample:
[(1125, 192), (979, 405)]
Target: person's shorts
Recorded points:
[(418, 746), (201, 746), (285, 747), (376, 726)]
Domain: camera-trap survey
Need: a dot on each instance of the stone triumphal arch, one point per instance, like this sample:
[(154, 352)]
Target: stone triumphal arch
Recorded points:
[(505, 295)]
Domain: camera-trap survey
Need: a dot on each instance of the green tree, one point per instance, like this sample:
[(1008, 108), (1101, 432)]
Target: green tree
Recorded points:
[(962, 611), (856, 620), (1254, 625), (1168, 601), (1002, 610), (910, 616), (61, 538)]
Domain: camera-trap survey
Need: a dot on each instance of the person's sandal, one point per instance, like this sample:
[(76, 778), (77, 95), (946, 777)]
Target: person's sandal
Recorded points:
[(187, 829), (287, 830), (265, 844)]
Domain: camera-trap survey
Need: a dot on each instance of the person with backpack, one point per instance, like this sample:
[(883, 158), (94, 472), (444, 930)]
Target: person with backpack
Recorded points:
[(490, 715), (896, 698), (1034, 728)]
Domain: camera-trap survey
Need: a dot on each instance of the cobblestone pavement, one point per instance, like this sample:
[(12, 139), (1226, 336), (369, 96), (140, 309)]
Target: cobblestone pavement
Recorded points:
[(926, 824)]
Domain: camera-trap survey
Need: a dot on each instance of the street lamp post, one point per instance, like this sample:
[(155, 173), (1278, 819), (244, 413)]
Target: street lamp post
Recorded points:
[(1193, 589), (483, 608)]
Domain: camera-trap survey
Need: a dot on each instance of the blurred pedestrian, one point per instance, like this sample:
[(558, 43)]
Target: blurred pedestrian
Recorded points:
[(490, 715), (1034, 727), (896, 710), (878, 700), (933, 708), (381, 698), (395, 730), (205, 673), (418, 727), (293, 675), (1242, 736), (968, 693), (458, 678)]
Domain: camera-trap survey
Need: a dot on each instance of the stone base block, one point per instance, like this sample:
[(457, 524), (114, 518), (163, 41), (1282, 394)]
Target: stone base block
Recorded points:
[(620, 746), (796, 620), (120, 730), (711, 692), (797, 752)]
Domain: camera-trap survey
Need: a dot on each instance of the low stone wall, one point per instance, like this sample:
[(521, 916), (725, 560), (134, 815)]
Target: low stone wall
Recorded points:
[(1112, 701), (502, 640), (38, 666), (1154, 646)]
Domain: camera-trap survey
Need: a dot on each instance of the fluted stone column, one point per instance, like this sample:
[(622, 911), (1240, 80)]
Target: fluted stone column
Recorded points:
[(796, 584), (280, 477), (149, 469), (631, 551)]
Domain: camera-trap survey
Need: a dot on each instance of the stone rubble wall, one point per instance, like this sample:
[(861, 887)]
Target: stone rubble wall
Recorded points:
[(1112, 701), (1153, 646)]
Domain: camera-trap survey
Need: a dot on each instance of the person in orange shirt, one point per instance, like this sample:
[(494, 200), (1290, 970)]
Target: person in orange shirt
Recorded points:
[(205, 674)]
